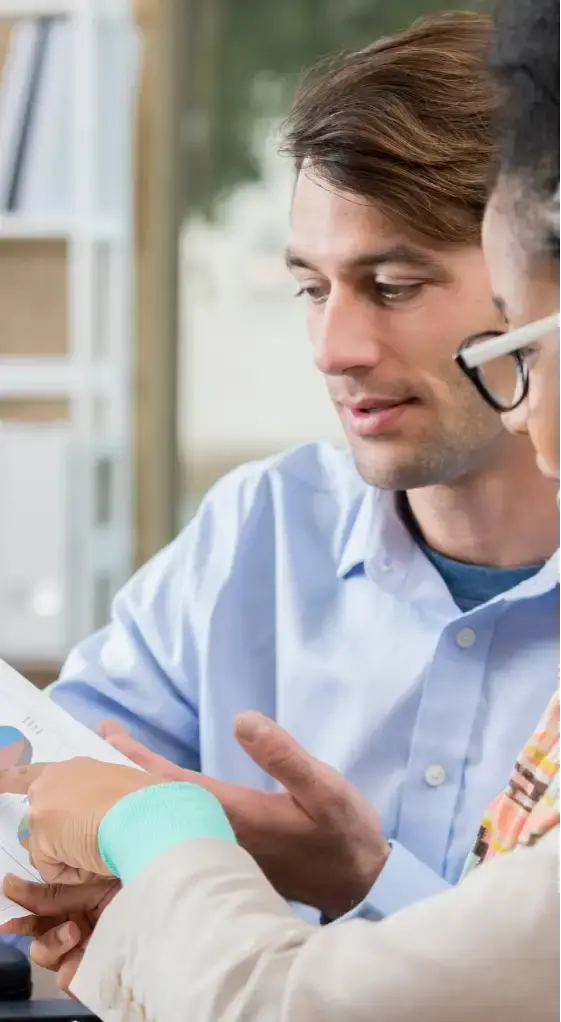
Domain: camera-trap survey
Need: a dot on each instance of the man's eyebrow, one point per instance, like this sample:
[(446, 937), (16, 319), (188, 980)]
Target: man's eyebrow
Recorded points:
[(372, 260), (296, 262)]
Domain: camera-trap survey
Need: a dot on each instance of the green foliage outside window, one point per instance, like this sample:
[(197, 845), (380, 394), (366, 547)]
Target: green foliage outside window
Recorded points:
[(243, 60)]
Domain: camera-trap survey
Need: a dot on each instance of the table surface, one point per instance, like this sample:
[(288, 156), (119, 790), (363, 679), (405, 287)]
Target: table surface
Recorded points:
[(44, 985), (47, 1004)]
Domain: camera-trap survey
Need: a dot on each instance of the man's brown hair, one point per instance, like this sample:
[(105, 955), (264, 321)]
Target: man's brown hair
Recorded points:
[(408, 124)]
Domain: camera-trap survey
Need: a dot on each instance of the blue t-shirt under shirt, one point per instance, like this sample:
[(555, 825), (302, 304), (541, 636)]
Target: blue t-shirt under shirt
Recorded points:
[(471, 585)]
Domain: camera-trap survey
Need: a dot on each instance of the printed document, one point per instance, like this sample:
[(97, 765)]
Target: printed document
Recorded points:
[(34, 730)]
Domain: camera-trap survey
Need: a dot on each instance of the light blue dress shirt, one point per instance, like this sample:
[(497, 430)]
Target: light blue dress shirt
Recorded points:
[(298, 591)]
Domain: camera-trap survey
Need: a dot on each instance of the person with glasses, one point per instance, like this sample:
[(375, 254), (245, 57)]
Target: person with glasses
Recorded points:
[(517, 371), (197, 931), (498, 363)]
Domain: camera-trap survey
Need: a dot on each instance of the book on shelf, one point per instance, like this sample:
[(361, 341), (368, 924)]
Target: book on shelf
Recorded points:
[(38, 93), (45, 175), (19, 47)]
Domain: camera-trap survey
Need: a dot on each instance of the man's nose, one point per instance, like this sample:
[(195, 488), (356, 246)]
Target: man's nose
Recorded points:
[(344, 335)]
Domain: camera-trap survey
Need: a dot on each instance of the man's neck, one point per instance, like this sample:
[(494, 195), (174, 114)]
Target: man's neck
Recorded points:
[(505, 517)]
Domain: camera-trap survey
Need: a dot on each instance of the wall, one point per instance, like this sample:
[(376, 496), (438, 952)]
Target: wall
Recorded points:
[(248, 387)]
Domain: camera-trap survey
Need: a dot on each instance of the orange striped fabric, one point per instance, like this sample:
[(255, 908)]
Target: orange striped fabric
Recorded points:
[(529, 807)]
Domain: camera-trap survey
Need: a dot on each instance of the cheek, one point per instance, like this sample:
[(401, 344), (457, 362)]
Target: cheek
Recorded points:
[(314, 320), (506, 261), (543, 419)]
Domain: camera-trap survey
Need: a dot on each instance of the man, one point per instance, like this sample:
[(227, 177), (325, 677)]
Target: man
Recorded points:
[(395, 608), (488, 948)]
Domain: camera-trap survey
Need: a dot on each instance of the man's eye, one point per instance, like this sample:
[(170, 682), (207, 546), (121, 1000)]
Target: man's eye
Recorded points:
[(314, 292), (395, 293)]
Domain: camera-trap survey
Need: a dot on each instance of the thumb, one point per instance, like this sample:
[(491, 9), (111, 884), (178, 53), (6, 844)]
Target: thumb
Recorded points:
[(50, 899), (279, 754)]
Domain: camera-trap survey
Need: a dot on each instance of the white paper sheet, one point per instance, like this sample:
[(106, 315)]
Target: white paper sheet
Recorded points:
[(34, 730)]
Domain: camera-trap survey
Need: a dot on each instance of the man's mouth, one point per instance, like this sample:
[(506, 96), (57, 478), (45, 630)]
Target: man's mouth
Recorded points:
[(378, 406), (373, 417)]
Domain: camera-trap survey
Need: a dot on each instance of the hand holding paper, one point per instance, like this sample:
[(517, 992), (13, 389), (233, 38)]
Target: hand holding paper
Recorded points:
[(33, 730), (67, 802)]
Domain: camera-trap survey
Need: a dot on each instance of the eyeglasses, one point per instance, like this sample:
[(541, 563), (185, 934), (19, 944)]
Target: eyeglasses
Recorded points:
[(495, 364)]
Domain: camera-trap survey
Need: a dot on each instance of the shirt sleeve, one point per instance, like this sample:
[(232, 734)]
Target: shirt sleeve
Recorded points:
[(403, 881), (130, 670), (146, 669), (485, 949)]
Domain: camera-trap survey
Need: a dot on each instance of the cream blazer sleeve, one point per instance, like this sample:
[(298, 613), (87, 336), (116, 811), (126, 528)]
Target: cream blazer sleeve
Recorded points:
[(201, 936)]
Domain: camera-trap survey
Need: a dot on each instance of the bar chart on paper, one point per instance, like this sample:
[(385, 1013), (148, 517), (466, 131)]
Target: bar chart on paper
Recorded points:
[(33, 730)]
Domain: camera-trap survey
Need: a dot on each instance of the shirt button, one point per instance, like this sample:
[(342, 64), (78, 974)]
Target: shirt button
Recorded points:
[(435, 775), (465, 638)]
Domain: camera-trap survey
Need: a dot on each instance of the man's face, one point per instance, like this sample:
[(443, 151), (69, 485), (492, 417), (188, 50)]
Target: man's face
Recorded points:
[(386, 312)]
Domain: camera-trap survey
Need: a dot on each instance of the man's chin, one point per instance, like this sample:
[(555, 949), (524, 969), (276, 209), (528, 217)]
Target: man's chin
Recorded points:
[(391, 465), (385, 474)]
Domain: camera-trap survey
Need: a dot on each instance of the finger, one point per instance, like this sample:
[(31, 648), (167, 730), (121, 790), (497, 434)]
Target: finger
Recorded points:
[(69, 967), (51, 899), (280, 755), (28, 926), (149, 761), (165, 770), (18, 780), (48, 950), (111, 728), (51, 870)]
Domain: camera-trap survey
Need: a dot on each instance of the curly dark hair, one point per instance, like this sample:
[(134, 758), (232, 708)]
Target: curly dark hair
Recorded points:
[(525, 60)]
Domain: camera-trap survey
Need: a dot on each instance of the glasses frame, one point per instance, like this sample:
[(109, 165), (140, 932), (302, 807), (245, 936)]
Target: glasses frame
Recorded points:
[(495, 344)]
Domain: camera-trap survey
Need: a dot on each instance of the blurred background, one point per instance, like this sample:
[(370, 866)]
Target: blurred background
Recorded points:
[(149, 337)]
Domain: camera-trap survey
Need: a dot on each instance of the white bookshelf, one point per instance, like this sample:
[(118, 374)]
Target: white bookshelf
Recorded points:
[(18, 227), (52, 377), (39, 8), (94, 377)]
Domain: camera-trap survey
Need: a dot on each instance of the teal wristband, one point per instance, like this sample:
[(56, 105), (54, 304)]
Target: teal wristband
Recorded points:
[(148, 822)]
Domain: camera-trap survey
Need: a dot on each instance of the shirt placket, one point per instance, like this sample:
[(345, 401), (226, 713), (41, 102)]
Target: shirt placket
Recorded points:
[(441, 738)]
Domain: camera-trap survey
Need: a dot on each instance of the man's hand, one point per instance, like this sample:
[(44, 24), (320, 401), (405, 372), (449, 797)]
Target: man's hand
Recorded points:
[(62, 922), (319, 842)]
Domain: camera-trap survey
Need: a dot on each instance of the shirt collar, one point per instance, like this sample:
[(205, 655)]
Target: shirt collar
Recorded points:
[(380, 543), (378, 540)]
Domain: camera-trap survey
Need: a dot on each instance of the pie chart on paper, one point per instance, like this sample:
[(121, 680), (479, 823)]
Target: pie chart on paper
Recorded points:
[(15, 748), (23, 833)]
